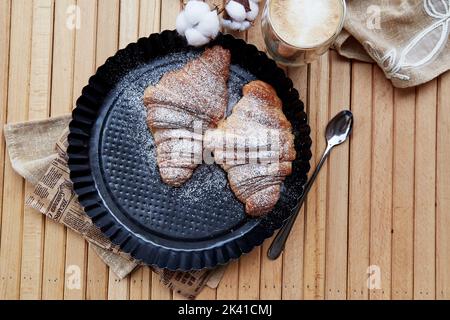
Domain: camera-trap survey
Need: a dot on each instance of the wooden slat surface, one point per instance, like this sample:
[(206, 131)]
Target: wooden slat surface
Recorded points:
[(381, 186), (316, 204), (359, 182), (378, 214), (443, 190), (425, 190), (39, 107), (13, 185), (403, 194)]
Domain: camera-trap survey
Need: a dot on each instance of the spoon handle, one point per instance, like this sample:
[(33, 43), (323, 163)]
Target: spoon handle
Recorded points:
[(278, 243)]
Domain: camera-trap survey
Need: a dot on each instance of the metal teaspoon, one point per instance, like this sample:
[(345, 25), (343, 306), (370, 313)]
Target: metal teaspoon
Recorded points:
[(337, 132)]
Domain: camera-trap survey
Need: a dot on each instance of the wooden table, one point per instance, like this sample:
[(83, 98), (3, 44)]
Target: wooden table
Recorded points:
[(382, 200)]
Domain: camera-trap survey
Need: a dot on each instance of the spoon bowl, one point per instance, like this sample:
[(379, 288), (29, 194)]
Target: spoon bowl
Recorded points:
[(339, 128)]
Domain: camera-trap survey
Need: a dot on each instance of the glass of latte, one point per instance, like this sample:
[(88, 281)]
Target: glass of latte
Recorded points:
[(296, 32)]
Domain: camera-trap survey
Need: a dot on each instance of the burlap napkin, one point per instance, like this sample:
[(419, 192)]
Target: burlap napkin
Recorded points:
[(408, 39), (37, 151)]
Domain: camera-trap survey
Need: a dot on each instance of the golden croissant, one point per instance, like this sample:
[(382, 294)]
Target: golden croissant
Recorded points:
[(183, 104), (255, 146)]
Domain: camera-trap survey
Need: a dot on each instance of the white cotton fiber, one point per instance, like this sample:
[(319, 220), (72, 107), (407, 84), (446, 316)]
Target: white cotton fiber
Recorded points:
[(254, 10), (195, 38), (197, 23), (209, 26), (182, 24), (236, 11), (195, 10)]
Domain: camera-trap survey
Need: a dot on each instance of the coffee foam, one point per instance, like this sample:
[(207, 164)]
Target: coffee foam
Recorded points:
[(306, 23)]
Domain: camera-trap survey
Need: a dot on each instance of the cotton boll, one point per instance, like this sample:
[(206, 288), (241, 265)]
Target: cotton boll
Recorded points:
[(195, 38), (195, 10), (231, 25), (197, 23), (235, 25), (236, 11), (254, 10), (226, 23), (245, 25), (238, 18), (209, 25), (182, 24)]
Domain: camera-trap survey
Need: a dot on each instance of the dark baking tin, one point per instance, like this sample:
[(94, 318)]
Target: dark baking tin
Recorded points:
[(112, 166)]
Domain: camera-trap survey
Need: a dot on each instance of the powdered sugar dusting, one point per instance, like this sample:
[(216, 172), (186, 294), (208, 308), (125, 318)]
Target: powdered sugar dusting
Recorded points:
[(206, 180)]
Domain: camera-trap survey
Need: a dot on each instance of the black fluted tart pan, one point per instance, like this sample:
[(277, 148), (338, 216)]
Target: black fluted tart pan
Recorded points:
[(114, 171)]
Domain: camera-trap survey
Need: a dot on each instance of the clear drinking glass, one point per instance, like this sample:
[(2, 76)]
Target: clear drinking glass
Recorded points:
[(288, 54)]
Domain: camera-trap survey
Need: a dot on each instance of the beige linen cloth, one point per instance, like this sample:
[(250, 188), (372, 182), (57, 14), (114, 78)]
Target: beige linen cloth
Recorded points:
[(37, 151), (408, 39)]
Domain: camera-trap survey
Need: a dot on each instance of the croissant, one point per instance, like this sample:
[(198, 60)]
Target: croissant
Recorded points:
[(183, 104), (255, 146)]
